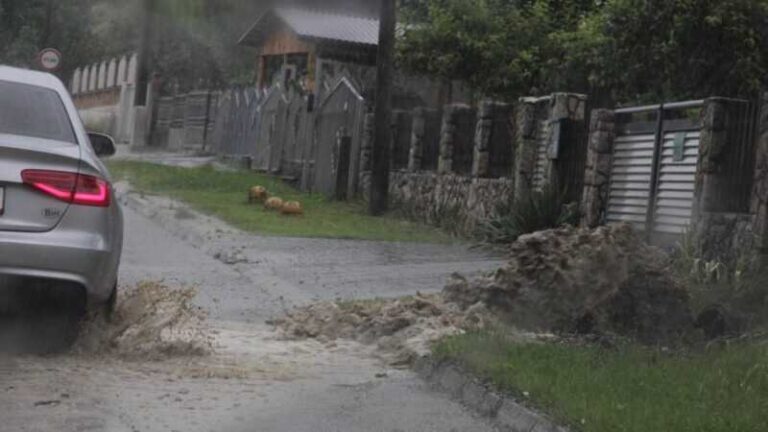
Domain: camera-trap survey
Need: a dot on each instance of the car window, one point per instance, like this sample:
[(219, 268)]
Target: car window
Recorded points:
[(33, 111)]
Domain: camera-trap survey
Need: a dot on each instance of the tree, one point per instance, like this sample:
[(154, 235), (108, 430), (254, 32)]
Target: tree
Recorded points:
[(651, 50), (622, 51), (27, 26), (500, 48)]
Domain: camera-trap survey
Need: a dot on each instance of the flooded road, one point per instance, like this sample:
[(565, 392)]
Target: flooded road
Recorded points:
[(249, 380)]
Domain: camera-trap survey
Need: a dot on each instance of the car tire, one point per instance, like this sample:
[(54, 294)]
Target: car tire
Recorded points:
[(111, 305)]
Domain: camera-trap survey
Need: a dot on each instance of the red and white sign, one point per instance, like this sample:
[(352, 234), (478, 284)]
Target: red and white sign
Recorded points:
[(49, 59)]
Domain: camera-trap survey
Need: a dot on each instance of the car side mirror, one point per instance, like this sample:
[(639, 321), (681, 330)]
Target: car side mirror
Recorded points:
[(103, 145)]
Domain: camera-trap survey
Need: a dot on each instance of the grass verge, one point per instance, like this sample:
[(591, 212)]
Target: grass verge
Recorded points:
[(224, 194), (629, 389)]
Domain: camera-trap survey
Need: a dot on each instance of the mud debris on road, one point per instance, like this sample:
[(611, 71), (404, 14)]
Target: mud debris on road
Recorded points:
[(152, 321), (565, 281), (402, 329)]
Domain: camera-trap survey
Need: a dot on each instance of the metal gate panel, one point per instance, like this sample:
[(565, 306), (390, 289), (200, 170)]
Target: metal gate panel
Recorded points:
[(631, 180), (677, 176), (542, 144)]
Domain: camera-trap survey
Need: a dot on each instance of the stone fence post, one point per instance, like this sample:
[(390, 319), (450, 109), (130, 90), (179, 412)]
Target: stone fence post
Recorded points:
[(551, 142), (760, 190), (712, 146), (417, 140), (487, 115), (598, 169), (448, 133), (527, 133)]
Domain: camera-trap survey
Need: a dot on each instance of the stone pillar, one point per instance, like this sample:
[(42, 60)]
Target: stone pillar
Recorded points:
[(567, 128), (527, 132), (602, 134), (568, 106), (448, 132), (712, 146), (760, 190), (483, 131), (417, 140)]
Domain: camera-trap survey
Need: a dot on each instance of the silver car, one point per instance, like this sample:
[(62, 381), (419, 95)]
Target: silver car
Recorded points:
[(61, 228)]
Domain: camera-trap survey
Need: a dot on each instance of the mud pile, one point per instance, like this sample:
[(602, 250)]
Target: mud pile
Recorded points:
[(402, 328), (151, 322), (567, 281), (573, 280)]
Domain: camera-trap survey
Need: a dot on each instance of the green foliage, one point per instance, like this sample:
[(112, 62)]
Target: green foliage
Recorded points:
[(537, 211), (27, 26), (629, 388), (657, 49), (738, 285), (614, 50), (691, 265), (489, 44)]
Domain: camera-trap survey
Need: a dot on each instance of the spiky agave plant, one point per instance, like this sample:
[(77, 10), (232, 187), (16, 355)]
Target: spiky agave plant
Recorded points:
[(538, 210)]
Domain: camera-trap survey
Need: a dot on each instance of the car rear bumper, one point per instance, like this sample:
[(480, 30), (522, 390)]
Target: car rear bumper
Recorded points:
[(67, 253)]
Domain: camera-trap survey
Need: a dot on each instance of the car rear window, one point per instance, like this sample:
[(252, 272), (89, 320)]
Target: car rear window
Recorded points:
[(33, 111)]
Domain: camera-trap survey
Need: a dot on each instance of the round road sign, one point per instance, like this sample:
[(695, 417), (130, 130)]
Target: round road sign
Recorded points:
[(49, 59)]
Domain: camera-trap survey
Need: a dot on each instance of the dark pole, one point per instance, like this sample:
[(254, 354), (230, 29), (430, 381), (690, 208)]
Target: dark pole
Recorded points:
[(143, 56), (382, 131)]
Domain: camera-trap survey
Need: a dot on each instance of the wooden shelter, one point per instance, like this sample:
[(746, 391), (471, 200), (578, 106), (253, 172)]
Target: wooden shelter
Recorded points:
[(311, 48)]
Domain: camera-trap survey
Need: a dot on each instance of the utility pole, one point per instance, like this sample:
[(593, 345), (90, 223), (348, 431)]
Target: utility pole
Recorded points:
[(143, 56), (382, 130)]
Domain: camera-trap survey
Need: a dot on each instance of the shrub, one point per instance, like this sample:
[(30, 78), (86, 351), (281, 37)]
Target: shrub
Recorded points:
[(536, 211)]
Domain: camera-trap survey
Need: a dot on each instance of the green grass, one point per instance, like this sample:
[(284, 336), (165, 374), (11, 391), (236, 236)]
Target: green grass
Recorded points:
[(224, 194), (630, 389)]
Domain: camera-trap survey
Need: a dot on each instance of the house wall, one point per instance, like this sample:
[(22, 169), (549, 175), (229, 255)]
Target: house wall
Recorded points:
[(284, 41)]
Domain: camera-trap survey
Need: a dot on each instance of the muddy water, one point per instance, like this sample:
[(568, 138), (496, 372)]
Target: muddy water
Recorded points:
[(151, 321), (161, 365)]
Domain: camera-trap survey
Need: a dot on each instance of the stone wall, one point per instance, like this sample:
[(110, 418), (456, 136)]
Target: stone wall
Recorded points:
[(458, 203), (726, 237), (476, 169), (760, 189)]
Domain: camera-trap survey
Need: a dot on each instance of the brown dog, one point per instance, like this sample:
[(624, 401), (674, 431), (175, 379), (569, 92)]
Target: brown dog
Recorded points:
[(293, 208), (274, 203), (257, 194)]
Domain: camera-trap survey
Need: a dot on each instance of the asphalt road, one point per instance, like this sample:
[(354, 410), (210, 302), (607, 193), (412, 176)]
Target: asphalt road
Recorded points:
[(255, 381)]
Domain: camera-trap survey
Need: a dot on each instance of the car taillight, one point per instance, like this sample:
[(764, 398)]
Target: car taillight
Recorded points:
[(73, 188)]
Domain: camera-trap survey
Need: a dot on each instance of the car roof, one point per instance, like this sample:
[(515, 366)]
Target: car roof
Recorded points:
[(30, 77)]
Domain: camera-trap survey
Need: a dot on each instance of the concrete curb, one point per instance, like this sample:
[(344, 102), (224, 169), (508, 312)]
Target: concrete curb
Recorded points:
[(503, 411)]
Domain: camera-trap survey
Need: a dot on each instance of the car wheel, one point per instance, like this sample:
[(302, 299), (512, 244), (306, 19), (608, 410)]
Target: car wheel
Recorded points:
[(110, 305)]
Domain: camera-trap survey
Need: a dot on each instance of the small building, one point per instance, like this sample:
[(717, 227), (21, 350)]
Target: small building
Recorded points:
[(311, 48)]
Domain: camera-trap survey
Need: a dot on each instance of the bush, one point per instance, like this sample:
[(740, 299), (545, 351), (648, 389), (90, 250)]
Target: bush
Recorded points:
[(731, 290), (539, 210)]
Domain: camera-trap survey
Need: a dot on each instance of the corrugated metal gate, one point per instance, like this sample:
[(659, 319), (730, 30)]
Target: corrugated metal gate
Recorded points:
[(541, 169), (653, 172)]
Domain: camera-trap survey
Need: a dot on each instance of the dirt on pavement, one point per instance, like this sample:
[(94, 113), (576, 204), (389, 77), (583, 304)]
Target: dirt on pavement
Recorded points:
[(567, 281), (403, 329), (151, 321)]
